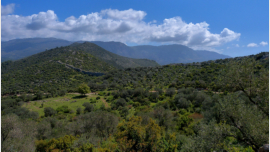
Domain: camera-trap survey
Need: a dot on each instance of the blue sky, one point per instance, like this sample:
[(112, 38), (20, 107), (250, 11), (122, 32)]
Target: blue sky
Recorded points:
[(231, 27)]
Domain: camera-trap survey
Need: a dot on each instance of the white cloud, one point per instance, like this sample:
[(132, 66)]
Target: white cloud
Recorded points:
[(129, 14), (8, 9), (263, 43), (126, 26), (237, 45), (228, 47), (252, 45)]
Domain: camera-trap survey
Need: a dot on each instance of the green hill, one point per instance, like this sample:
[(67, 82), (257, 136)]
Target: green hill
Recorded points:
[(50, 69), (111, 58)]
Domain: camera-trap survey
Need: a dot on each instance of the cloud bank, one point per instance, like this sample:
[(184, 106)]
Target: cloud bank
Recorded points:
[(113, 25)]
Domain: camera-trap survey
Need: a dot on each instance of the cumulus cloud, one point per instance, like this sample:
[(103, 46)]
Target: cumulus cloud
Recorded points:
[(129, 14), (8, 9), (115, 25), (263, 43), (252, 45)]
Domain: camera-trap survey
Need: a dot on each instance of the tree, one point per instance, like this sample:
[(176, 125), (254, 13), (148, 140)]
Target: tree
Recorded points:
[(170, 92), (83, 89), (247, 76), (17, 135), (88, 107), (78, 111), (39, 95), (133, 136), (48, 111)]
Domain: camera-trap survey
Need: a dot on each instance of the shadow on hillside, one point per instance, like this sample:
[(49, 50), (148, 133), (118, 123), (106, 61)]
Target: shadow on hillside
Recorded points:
[(79, 97)]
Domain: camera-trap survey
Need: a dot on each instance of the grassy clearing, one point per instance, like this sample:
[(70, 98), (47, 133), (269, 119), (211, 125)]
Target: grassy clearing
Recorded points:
[(73, 101)]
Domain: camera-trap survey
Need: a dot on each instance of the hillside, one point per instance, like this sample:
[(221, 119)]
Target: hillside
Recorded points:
[(50, 69), (111, 58), (179, 105), (20, 48)]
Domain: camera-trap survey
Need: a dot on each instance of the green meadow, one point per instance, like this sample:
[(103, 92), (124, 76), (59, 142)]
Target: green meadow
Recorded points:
[(73, 101)]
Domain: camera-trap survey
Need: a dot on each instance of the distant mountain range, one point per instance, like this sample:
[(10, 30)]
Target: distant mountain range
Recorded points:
[(21, 48), (115, 60), (164, 54)]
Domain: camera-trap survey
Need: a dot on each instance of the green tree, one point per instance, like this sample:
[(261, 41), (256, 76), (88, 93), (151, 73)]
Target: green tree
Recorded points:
[(83, 89), (48, 111), (133, 136)]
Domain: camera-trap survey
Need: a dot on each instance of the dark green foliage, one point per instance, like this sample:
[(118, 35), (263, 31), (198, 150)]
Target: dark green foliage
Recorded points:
[(154, 96), (170, 92), (164, 117), (199, 99), (119, 103), (100, 123), (62, 92), (23, 97), (17, 134), (79, 111), (182, 103), (212, 106), (88, 107), (63, 109), (12, 106), (160, 91), (123, 111), (39, 95), (83, 89), (48, 112)]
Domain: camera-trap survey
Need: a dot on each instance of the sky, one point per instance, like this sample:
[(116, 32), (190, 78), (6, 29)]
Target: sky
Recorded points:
[(230, 27)]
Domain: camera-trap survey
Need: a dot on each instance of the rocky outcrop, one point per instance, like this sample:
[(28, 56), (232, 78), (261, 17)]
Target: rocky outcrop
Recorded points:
[(80, 70)]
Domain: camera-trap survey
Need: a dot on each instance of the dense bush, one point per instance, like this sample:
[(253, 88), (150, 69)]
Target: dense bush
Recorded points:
[(48, 111)]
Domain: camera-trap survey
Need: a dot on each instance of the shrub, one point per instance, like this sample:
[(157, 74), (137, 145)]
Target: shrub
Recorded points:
[(78, 111), (182, 103), (88, 107), (119, 103), (63, 109), (48, 111), (83, 89), (62, 92)]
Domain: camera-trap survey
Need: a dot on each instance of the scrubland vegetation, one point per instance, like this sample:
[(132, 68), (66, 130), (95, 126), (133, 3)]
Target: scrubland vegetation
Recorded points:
[(217, 105)]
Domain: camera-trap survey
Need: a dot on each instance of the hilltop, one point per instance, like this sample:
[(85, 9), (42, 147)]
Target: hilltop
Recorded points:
[(111, 58), (50, 69)]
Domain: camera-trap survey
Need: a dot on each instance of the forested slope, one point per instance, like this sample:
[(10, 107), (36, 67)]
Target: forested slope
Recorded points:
[(43, 71), (113, 59), (220, 105)]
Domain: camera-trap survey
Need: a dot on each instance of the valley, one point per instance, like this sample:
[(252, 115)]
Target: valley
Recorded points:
[(132, 107)]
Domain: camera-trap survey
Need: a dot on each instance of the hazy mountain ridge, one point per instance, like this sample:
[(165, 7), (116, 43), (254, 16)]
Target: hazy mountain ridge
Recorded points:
[(164, 54), (21, 48), (111, 58)]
